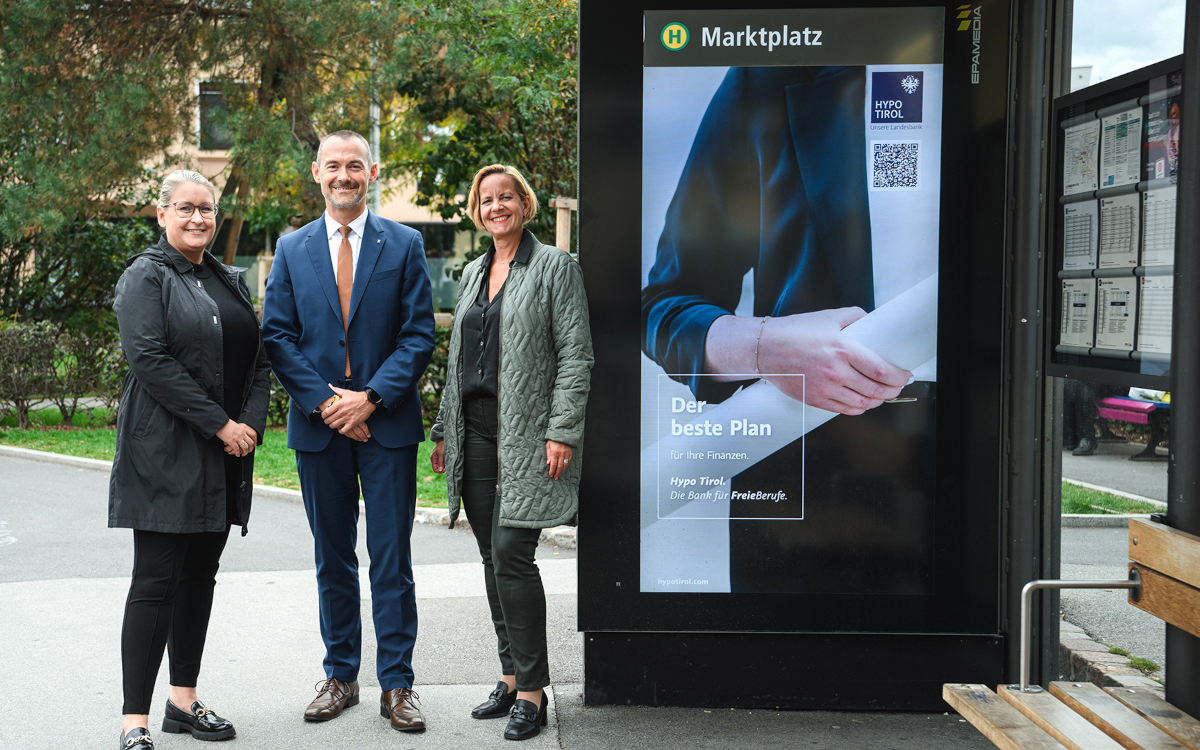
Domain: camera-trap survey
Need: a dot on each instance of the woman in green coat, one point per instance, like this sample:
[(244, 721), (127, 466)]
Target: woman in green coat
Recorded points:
[(510, 429)]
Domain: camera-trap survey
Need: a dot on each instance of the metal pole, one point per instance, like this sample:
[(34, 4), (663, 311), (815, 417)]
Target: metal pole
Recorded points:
[(374, 192), (1183, 471), (1025, 526), (1134, 583)]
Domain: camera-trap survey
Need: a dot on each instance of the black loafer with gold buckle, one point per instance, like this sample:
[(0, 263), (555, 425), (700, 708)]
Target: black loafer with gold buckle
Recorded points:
[(137, 738), (526, 720), (497, 704), (202, 723)]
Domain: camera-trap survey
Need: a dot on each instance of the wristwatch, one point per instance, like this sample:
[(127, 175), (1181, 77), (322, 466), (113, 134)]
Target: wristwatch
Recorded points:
[(374, 397)]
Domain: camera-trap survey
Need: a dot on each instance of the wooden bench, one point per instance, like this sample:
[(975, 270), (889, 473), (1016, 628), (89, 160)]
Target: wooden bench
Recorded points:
[(1081, 716), (1138, 411)]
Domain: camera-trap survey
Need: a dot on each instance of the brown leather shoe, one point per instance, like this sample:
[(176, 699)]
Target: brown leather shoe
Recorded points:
[(333, 696), (399, 706)]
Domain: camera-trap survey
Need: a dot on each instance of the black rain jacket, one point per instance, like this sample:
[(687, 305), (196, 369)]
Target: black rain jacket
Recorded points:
[(169, 472)]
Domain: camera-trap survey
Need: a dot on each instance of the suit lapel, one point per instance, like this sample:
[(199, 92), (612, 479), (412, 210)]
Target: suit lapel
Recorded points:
[(368, 255), (828, 132), (317, 245)]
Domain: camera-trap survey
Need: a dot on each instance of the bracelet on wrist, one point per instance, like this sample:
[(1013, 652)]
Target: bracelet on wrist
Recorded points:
[(758, 344)]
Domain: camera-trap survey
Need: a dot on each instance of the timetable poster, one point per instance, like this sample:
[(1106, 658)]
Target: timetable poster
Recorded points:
[(791, 170), (1154, 324), (1081, 235), (1121, 149), (1078, 312), (1116, 311), (1080, 158), (1119, 231), (1158, 218)]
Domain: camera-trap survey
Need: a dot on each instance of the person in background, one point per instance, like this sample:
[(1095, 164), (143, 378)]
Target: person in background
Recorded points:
[(510, 428), (193, 408)]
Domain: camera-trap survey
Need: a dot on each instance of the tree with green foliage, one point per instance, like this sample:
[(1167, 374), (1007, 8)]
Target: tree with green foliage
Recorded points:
[(290, 70), (487, 81), (96, 99), (68, 276)]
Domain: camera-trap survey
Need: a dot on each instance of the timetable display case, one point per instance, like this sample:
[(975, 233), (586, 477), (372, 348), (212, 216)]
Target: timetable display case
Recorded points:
[(1111, 227)]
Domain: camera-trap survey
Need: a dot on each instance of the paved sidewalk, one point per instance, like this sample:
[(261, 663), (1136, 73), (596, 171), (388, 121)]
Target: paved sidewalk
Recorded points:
[(1110, 466), (1102, 553), (63, 580)]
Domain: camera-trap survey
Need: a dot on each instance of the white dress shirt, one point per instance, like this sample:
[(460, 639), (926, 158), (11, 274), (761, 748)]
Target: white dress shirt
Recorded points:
[(333, 232)]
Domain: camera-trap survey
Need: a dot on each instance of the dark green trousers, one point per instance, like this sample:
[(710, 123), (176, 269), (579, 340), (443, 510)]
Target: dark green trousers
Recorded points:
[(514, 584)]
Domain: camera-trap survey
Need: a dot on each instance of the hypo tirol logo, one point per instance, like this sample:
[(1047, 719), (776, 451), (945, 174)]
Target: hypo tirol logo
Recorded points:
[(896, 96), (675, 36)]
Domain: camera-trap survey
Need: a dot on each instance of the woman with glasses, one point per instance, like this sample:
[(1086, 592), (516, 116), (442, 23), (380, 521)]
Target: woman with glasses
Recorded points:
[(193, 408)]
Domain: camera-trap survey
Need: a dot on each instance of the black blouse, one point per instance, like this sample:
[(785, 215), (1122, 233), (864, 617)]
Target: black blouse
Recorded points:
[(481, 341), (481, 329), (239, 349)]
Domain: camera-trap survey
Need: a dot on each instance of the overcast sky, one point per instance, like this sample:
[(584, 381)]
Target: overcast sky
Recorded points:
[(1117, 36)]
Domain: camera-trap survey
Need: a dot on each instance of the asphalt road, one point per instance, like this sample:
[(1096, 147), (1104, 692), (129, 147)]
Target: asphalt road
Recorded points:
[(1094, 554), (64, 576)]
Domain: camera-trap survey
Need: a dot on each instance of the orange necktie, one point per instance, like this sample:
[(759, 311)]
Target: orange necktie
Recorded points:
[(345, 284)]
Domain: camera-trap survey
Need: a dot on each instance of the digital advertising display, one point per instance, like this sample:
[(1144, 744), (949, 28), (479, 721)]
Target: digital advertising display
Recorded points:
[(792, 233), (790, 242)]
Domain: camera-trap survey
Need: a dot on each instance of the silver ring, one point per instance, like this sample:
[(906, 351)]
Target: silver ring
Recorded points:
[(566, 460)]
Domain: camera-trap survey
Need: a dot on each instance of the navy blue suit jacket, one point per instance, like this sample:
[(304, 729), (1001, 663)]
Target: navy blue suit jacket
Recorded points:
[(775, 181), (390, 334)]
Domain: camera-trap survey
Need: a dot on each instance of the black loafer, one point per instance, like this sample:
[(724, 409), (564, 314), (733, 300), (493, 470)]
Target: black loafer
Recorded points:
[(497, 704), (526, 720), (137, 738), (202, 723)]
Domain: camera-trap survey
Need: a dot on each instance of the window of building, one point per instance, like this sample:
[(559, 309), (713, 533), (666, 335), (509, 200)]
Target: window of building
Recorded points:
[(213, 134), (438, 238)]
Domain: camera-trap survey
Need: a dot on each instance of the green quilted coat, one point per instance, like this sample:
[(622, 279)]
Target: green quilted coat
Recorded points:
[(545, 375)]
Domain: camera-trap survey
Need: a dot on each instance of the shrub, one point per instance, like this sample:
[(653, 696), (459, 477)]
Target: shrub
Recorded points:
[(26, 367), (430, 386), (433, 381), (277, 407), (82, 366), (69, 276), (112, 378)]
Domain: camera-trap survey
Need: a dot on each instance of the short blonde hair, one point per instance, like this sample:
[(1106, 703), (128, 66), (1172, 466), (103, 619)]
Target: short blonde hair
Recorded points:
[(172, 181), (518, 179)]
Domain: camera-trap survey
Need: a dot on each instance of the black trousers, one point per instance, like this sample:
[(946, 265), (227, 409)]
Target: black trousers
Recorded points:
[(169, 603), (1079, 412), (514, 584)]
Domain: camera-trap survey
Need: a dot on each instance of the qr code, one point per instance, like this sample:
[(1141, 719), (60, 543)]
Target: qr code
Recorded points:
[(894, 165)]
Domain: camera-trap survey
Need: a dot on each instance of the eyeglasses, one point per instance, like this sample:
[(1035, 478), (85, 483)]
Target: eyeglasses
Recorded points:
[(185, 209)]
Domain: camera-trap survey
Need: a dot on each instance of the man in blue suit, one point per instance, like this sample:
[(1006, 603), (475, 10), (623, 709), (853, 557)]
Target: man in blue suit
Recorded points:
[(348, 324)]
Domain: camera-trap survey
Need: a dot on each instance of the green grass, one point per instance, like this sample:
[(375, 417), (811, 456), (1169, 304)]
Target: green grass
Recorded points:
[(89, 443), (274, 464), (1142, 665), (1076, 499), (52, 417)]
